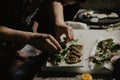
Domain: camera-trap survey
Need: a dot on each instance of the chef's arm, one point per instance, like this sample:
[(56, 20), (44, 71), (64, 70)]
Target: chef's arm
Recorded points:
[(57, 16), (56, 13), (14, 36), (38, 40)]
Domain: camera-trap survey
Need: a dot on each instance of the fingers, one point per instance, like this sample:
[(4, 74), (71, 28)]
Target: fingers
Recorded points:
[(69, 35), (54, 43), (45, 42), (50, 47)]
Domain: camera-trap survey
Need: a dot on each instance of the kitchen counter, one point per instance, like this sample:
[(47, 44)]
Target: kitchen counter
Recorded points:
[(88, 39)]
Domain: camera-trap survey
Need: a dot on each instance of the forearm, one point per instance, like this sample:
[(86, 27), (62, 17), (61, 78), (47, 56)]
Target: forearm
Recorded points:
[(14, 36), (35, 26), (56, 13)]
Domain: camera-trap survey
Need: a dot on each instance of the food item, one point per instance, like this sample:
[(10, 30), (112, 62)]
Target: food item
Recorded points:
[(86, 76), (70, 54), (101, 16), (112, 15), (94, 19), (105, 50), (88, 14), (74, 54), (92, 14)]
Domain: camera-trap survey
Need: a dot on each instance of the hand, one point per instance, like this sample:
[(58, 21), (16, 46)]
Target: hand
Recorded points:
[(64, 29), (45, 42)]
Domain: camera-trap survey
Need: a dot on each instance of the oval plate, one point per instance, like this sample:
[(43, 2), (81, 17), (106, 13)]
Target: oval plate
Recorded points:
[(103, 21)]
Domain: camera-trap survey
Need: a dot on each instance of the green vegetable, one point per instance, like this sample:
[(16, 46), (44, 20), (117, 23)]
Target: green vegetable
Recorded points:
[(105, 48), (56, 58)]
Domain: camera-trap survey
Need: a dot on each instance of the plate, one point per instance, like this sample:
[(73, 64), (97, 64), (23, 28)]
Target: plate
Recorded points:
[(98, 21), (71, 56), (64, 64), (108, 53)]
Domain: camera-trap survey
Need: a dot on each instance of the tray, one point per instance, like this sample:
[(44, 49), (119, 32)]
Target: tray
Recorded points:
[(105, 21)]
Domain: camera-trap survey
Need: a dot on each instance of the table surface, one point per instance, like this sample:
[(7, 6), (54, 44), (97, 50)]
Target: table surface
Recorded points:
[(88, 39)]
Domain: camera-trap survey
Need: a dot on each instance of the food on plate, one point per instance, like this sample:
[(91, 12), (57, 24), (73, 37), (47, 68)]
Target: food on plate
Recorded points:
[(94, 19), (98, 15), (88, 14), (101, 16), (112, 15), (105, 51), (73, 54), (93, 14), (70, 54)]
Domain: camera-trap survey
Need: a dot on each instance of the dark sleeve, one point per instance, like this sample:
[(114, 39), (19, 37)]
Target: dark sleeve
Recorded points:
[(79, 1), (6, 9)]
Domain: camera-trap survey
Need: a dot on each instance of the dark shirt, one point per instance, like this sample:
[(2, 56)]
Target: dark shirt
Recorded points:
[(18, 14)]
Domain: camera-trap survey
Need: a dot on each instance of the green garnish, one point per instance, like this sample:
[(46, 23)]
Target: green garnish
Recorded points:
[(104, 51), (56, 58)]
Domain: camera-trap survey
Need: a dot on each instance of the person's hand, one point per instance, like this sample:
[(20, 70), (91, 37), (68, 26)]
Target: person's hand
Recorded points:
[(64, 29), (45, 42)]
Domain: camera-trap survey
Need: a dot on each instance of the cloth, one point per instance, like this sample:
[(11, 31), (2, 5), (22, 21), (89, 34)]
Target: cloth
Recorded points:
[(77, 25)]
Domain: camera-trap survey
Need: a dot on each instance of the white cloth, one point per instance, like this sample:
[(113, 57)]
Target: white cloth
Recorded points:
[(28, 50), (77, 25)]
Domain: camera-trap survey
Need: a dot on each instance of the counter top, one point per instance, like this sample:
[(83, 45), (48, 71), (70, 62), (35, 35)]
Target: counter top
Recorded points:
[(88, 39)]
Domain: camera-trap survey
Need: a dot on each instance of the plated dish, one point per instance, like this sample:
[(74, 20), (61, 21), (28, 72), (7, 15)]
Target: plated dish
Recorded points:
[(98, 17), (105, 52), (70, 55)]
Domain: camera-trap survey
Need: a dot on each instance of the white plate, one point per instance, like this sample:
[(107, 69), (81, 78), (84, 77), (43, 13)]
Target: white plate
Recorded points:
[(64, 64), (93, 52)]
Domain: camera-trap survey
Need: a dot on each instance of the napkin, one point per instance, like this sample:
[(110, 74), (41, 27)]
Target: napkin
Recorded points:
[(28, 50), (77, 25)]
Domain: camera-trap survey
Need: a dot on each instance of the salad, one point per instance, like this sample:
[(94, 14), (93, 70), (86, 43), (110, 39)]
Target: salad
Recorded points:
[(105, 51), (71, 53)]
